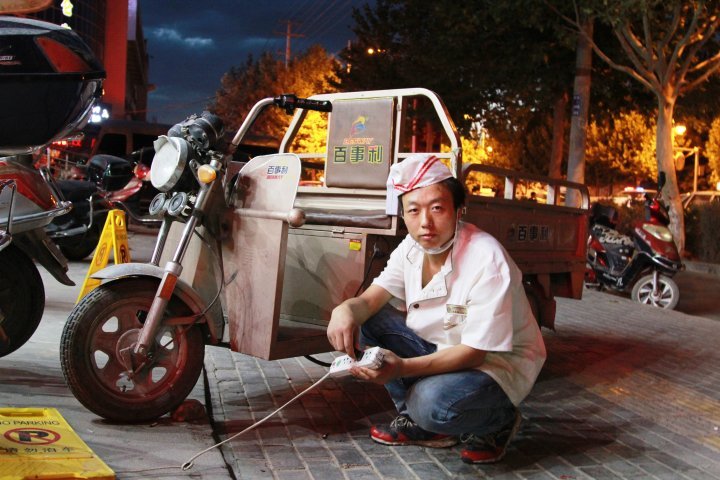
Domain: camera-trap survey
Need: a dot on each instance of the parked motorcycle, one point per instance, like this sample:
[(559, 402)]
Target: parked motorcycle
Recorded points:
[(50, 80), (135, 196), (642, 263), (28, 205), (78, 233)]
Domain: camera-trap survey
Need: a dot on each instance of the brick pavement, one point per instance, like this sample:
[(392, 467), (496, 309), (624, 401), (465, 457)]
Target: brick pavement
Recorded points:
[(628, 392)]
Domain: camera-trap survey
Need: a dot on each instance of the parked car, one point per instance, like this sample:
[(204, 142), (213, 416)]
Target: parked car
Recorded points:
[(701, 197)]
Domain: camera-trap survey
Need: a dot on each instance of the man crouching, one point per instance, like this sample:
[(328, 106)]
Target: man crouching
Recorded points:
[(467, 350)]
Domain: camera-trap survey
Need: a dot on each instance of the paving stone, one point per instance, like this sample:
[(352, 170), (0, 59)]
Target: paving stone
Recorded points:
[(349, 457), (282, 457), (361, 473), (292, 474), (599, 472), (251, 469), (313, 452), (529, 475), (324, 470), (429, 470)]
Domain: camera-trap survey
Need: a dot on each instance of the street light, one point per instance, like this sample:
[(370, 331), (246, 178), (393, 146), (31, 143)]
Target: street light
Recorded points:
[(680, 130)]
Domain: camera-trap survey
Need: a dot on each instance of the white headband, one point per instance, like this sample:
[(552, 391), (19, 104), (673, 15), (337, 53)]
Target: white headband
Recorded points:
[(416, 171)]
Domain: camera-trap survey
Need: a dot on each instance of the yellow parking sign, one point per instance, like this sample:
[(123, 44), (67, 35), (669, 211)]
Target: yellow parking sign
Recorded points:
[(113, 237), (39, 443)]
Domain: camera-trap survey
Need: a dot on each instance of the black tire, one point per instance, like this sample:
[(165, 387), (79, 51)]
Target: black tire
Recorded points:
[(22, 299), (77, 248), (669, 293), (103, 323)]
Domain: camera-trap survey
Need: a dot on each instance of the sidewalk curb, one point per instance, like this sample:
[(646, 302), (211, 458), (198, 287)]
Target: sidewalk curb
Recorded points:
[(702, 267)]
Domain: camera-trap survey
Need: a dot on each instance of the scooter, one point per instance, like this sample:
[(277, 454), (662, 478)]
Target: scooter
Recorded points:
[(642, 263)]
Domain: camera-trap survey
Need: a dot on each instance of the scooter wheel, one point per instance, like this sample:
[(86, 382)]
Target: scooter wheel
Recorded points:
[(666, 296), (98, 363), (22, 299)]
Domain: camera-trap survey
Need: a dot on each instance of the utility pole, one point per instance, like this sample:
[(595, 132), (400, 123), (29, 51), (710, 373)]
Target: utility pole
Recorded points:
[(288, 35)]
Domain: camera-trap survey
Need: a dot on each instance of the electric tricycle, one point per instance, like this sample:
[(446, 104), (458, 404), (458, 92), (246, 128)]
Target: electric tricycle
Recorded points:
[(255, 255)]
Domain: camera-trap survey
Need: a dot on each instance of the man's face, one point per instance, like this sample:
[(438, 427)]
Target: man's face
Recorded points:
[(430, 215)]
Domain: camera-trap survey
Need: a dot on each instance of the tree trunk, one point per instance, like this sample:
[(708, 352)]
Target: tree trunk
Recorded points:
[(580, 108), (559, 116), (666, 163)]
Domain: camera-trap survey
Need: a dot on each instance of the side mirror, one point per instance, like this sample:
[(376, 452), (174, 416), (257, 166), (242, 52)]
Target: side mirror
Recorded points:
[(661, 180)]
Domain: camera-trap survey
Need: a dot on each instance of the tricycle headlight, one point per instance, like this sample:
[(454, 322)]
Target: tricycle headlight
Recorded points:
[(168, 165)]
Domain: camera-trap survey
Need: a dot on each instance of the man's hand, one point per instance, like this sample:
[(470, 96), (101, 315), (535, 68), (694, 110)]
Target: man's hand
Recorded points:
[(452, 359), (391, 368), (347, 317), (342, 329)]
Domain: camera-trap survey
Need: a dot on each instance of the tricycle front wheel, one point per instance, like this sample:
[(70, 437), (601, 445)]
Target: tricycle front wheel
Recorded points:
[(96, 346)]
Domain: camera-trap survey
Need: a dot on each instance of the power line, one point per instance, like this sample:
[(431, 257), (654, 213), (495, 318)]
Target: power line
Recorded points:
[(316, 18), (299, 8), (327, 25)]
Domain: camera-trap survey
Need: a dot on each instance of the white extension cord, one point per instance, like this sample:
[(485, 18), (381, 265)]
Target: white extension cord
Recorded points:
[(372, 358)]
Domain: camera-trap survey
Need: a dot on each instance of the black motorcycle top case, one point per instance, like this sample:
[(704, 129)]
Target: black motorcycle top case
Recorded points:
[(49, 79)]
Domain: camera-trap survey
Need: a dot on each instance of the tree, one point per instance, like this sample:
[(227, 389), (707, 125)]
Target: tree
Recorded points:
[(309, 73), (669, 47), (471, 53), (712, 149), (509, 63), (621, 149)]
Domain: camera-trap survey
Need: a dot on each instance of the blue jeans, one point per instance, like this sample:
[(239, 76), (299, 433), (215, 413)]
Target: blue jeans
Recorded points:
[(466, 401)]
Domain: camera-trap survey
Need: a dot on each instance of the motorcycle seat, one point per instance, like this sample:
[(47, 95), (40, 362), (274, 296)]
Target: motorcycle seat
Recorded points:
[(76, 190)]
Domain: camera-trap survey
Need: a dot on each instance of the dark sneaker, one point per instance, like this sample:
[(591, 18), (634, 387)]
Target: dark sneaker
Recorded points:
[(490, 448), (403, 431)]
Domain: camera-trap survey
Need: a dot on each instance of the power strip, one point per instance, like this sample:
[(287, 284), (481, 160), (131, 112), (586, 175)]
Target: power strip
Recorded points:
[(372, 358)]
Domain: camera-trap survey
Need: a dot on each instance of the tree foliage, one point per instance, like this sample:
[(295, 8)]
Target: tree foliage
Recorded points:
[(669, 47), (506, 62), (309, 73), (621, 149), (464, 51), (712, 149)]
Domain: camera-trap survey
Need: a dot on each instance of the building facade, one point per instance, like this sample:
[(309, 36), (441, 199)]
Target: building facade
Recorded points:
[(113, 30)]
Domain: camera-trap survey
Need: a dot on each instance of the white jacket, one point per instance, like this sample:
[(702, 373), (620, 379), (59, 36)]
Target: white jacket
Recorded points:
[(476, 299)]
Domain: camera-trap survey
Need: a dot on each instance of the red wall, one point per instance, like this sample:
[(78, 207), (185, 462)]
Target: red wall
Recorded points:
[(116, 29)]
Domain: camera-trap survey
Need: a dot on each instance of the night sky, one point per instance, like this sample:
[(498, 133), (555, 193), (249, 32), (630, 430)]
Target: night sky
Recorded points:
[(192, 44)]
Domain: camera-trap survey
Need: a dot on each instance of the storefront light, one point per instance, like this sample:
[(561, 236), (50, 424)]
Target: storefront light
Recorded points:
[(98, 114)]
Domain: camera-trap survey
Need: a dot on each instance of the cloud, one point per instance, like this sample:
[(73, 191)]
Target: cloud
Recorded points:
[(172, 35)]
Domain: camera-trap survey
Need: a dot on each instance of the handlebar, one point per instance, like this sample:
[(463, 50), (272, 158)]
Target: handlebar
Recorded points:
[(290, 102)]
